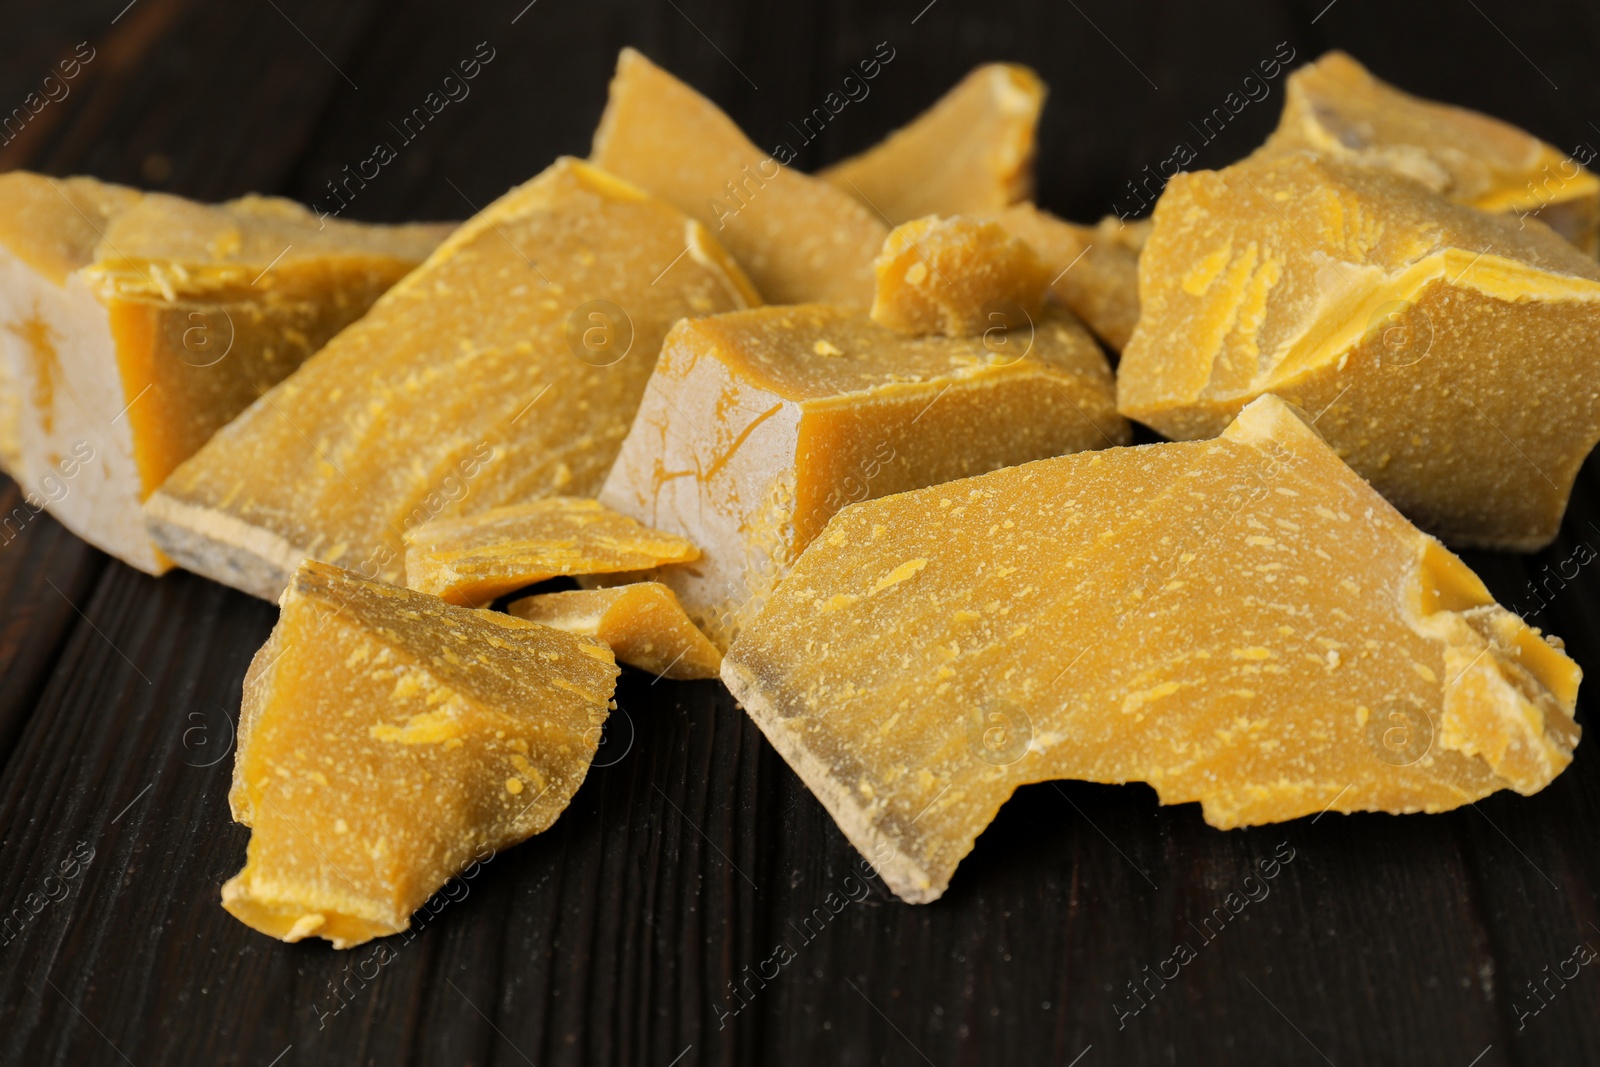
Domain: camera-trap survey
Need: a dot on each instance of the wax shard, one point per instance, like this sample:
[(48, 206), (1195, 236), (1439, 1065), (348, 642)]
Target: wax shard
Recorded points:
[(642, 622), (971, 152), (798, 237), (486, 378), (1241, 622), (134, 325), (1447, 353), (1094, 270), (474, 559), (1336, 108), (956, 276), (387, 740), (761, 424)]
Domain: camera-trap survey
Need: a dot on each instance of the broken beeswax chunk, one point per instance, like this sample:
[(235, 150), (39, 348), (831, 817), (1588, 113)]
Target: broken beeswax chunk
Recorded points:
[(1336, 108), (472, 560), (388, 740), (487, 377), (956, 276), (798, 238), (1094, 270), (1449, 354), (761, 424), (134, 325), (971, 152), (1241, 622), (642, 622)]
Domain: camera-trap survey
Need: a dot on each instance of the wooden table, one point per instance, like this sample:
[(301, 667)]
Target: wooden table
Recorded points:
[(614, 937)]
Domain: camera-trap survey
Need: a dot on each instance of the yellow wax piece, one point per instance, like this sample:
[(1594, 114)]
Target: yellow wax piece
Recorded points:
[(1094, 270), (799, 238), (958, 277), (971, 152), (387, 740), (642, 622), (134, 325), (1241, 622), (1447, 354), (760, 425), (1336, 108), (474, 559), (506, 368)]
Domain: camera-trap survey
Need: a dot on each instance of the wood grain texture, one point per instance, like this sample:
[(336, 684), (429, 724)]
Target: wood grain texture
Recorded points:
[(635, 931)]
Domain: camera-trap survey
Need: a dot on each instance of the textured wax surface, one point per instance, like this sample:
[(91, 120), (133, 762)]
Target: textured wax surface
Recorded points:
[(642, 622), (55, 224), (1336, 108), (1094, 270), (799, 239), (137, 324), (971, 152), (1241, 622), (956, 276), (472, 560), (507, 368), (387, 740), (760, 425), (1447, 354)]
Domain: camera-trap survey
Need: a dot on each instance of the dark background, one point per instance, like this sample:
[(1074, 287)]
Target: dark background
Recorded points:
[(611, 938)]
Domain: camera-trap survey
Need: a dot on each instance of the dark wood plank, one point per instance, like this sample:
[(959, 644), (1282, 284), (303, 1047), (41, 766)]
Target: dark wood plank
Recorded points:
[(44, 571), (638, 929)]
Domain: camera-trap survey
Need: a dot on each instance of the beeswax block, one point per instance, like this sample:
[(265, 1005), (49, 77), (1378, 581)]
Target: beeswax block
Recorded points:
[(1335, 107), (1094, 270), (1241, 622), (387, 740), (971, 152), (797, 237), (505, 369), (1446, 353), (642, 622), (956, 276), (472, 560), (134, 325), (759, 425)]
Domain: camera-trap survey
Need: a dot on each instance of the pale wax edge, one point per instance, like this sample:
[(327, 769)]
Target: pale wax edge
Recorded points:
[(909, 880), (219, 546)]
